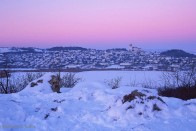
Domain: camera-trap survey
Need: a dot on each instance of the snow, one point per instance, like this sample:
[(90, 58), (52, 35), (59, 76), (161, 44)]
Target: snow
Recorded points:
[(129, 78), (38, 50), (92, 105), (115, 67), (4, 49), (41, 88)]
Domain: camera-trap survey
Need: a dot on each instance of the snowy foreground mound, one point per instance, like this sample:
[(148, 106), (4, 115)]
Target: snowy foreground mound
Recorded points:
[(94, 106)]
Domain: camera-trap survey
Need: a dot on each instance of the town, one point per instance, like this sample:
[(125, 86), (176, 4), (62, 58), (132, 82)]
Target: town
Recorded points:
[(133, 58)]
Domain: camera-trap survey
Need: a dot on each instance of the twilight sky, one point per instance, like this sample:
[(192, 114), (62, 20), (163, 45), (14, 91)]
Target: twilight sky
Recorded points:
[(150, 24)]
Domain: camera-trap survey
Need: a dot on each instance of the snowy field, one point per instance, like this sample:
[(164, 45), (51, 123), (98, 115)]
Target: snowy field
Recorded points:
[(93, 105)]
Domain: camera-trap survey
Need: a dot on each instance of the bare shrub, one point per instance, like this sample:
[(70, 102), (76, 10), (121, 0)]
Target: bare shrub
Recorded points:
[(180, 78), (147, 83), (114, 83), (11, 84), (69, 80), (33, 76), (179, 84), (133, 82), (14, 85), (5, 85), (183, 93)]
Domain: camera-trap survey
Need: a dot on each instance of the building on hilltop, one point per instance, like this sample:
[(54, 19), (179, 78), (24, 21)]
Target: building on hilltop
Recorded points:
[(134, 49)]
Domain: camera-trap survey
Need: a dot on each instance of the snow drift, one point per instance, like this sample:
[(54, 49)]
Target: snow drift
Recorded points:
[(92, 105)]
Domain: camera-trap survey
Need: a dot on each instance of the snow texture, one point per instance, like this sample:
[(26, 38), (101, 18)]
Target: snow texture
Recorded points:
[(92, 105)]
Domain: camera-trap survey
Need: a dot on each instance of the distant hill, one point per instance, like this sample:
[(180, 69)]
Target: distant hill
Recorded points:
[(26, 49), (177, 53), (117, 49), (19, 50), (65, 48)]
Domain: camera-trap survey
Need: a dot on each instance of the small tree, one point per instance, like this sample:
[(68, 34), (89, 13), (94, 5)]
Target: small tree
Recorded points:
[(180, 78), (29, 77), (114, 83), (5, 81), (69, 80), (179, 84)]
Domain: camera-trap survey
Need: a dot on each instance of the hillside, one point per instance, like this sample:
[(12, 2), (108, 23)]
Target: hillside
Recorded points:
[(65, 48), (83, 58), (177, 53)]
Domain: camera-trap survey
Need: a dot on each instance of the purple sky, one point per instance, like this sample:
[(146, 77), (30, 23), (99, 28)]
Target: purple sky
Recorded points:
[(152, 24)]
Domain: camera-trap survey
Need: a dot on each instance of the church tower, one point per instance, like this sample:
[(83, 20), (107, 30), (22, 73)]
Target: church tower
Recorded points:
[(130, 47)]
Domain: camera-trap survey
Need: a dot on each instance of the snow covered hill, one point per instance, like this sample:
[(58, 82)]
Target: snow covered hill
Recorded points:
[(93, 105)]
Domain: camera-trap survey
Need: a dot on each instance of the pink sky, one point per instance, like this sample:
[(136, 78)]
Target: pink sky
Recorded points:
[(98, 23)]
